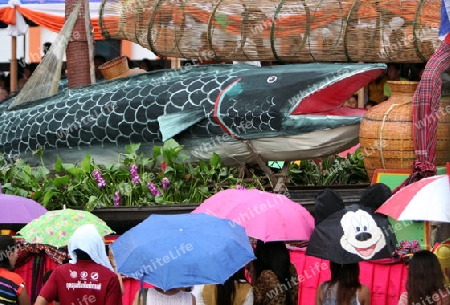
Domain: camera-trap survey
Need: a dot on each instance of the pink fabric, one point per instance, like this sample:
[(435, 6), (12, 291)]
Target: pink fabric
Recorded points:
[(385, 281)]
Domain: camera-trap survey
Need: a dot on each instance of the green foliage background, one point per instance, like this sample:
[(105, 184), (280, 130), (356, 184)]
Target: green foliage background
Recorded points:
[(74, 185)]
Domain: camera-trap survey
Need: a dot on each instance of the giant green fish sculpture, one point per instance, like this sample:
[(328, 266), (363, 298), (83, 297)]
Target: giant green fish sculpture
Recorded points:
[(285, 112)]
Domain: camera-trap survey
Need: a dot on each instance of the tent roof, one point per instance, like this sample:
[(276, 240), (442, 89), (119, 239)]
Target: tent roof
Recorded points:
[(47, 13)]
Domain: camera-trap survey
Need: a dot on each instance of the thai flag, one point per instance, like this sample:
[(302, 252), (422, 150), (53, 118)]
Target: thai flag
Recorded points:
[(445, 22)]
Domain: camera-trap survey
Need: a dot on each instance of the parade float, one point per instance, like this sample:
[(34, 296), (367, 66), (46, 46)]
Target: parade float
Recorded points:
[(288, 31)]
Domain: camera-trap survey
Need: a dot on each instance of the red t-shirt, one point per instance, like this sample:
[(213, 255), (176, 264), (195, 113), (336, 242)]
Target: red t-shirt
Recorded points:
[(83, 283)]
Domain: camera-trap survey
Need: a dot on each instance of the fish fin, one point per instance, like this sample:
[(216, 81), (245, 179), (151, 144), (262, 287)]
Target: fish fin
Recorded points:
[(172, 124)]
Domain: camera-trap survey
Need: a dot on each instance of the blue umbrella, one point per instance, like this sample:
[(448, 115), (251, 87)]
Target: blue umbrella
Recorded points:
[(174, 251)]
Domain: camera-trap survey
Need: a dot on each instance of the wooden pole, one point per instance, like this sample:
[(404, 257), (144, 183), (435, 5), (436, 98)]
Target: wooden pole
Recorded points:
[(175, 62), (13, 65), (361, 94)]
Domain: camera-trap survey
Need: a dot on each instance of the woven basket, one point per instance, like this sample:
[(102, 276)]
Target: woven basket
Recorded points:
[(114, 68), (386, 133)]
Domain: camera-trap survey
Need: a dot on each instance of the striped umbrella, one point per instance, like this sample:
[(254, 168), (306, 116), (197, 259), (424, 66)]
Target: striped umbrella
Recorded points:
[(425, 200)]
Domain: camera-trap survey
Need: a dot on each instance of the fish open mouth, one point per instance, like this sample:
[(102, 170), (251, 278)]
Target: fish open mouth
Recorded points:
[(366, 252), (329, 99)]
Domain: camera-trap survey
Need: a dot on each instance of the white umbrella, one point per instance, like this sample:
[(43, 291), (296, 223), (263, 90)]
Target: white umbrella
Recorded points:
[(425, 200)]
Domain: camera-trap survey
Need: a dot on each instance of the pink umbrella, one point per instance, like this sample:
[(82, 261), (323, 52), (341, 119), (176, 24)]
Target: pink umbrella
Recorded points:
[(18, 210), (425, 200), (265, 216)]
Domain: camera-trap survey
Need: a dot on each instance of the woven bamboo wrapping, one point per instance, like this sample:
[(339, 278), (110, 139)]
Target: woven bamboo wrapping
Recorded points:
[(390, 144), (285, 30), (77, 49)]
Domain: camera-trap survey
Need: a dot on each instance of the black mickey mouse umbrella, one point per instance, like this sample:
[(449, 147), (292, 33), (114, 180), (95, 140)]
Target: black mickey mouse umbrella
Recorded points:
[(349, 234)]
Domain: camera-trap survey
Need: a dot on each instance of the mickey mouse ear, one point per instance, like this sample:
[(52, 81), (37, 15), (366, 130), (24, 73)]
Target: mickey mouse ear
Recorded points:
[(327, 202), (375, 195)]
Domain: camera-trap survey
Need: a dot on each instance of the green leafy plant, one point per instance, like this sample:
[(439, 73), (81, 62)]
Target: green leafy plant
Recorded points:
[(333, 170), (167, 177)]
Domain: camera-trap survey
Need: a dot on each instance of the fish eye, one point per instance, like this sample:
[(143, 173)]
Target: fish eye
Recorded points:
[(271, 79)]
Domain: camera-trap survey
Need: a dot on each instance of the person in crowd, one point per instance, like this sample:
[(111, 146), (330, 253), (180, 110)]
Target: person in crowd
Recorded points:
[(376, 89), (157, 66), (393, 74), (88, 277), (98, 61), (235, 291), (197, 292), (370, 104), (274, 277), (110, 255), (12, 286), (425, 284), (45, 279), (157, 296), (3, 87), (343, 288), (353, 101), (145, 64), (26, 74), (47, 45)]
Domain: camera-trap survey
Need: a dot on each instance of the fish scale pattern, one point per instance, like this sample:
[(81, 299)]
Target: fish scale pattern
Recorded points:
[(119, 112), (192, 104)]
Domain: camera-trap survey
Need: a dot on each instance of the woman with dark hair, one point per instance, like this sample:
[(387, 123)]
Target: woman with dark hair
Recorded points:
[(274, 277), (12, 286), (425, 282), (235, 291), (343, 288)]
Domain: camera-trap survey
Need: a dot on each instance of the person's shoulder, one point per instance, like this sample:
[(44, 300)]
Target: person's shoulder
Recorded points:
[(242, 284), (364, 289), (293, 270), (364, 293), (446, 296), (12, 276), (63, 267), (267, 273), (267, 276), (88, 265), (102, 269)]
